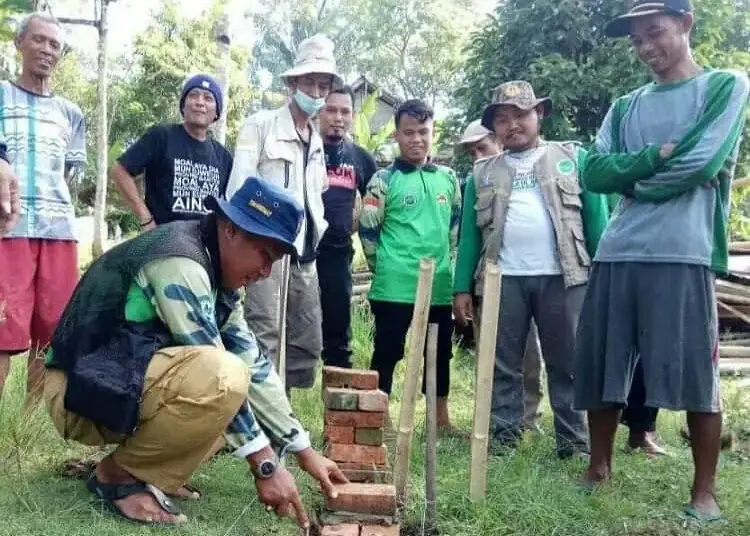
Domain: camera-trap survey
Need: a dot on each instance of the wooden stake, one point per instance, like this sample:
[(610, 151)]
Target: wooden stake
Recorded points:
[(283, 301), (431, 439), (413, 376), (483, 389)]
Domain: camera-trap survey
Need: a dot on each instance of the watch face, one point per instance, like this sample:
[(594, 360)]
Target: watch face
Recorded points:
[(266, 469)]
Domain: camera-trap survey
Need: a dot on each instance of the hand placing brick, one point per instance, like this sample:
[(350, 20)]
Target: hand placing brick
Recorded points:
[(357, 419), (341, 399), (343, 435), (340, 530), (381, 530), (350, 378), (378, 499), (357, 454), (373, 401)]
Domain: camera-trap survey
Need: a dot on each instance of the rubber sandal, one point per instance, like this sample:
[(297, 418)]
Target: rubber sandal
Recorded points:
[(690, 511), (108, 493)]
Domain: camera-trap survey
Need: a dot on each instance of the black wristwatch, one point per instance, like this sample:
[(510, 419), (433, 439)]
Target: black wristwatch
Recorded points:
[(265, 469)]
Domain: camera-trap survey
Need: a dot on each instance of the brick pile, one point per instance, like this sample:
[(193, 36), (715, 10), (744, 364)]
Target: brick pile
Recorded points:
[(355, 416)]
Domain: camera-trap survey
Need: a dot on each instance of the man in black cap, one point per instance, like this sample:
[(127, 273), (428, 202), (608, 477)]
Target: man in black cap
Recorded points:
[(670, 149), (181, 163), (153, 354)]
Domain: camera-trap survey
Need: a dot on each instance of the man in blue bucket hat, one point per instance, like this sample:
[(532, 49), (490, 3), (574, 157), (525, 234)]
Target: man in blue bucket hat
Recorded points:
[(153, 354)]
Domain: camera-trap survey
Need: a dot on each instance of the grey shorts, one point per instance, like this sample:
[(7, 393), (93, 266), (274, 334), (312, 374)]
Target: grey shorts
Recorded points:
[(661, 314)]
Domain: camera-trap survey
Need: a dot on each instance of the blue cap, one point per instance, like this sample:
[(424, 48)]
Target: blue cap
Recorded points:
[(262, 209), (207, 82), (620, 27)]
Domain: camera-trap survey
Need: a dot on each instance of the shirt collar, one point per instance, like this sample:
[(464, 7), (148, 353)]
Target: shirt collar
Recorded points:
[(405, 167)]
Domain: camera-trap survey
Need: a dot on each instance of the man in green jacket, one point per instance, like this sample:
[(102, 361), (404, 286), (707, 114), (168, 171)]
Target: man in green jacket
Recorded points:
[(526, 211), (411, 211)]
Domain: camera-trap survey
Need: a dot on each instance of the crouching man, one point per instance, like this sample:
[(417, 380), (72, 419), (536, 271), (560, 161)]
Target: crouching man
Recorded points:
[(153, 354)]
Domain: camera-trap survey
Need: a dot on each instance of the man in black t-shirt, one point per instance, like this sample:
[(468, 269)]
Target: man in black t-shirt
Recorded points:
[(349, 169), (182, 164)]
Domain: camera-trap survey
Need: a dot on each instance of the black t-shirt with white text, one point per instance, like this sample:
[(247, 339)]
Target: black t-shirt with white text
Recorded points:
[(349, 168), (180, 171)]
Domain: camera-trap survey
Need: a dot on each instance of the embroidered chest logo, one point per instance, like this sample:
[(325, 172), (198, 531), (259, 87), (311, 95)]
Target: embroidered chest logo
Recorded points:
[(566, 167), (410, 200), (442, 199)]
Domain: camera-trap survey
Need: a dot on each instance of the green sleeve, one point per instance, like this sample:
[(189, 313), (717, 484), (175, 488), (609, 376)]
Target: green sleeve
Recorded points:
[(469, 243), (595, 212), (373, 215), (608, 173)]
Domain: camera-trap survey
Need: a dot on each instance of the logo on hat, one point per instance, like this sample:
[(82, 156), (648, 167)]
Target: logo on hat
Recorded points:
[(512, 90), (267, 212), (206, 84)]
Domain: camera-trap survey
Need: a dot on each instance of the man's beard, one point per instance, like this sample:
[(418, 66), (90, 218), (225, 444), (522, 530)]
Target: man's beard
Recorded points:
[(334, 138)]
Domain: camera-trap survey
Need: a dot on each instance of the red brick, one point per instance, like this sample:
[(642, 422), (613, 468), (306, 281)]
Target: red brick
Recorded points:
[(381, 530), (340, 434), (376, 499), (368, 436), (371, 476), (352, 378), (341, 399), (373, 401), (340, 530), (357, 419), (357, 454)]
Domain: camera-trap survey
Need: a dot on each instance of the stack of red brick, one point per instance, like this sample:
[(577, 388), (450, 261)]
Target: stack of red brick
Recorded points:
[(355, 416)]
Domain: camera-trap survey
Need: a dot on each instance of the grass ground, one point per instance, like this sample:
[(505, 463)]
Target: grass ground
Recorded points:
[(531, 493)]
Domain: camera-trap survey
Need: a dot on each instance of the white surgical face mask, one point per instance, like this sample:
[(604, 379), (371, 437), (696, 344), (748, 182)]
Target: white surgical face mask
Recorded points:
[(307, 104)]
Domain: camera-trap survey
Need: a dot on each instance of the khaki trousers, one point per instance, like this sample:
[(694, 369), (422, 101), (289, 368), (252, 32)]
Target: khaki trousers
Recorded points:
[(190, 395)]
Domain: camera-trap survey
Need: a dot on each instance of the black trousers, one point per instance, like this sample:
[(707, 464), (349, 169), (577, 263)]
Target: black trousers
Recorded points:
[(392, 321), (636, 416), (335, 280)]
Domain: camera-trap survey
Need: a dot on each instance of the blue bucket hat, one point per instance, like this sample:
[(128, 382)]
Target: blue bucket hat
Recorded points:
[(207, 82), (262, 209)]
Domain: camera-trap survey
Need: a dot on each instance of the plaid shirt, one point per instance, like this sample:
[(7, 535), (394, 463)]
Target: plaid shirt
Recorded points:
[(178, 291)]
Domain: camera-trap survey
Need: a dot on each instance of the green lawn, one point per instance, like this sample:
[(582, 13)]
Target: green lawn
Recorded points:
[(530, 493)]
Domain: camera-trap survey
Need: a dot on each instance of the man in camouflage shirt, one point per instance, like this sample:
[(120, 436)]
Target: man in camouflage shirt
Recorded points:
[(153, 354)]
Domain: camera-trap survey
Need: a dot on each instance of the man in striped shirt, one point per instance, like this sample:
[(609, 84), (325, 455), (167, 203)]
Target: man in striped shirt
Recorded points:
[(669, 148)]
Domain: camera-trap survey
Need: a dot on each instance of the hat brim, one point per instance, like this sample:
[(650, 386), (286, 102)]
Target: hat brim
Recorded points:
[(472, 139), (313, 68), (248, 225), (488, 116), (620, 27)]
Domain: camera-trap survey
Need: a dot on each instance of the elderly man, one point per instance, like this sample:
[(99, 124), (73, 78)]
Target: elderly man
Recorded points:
[(283, 147), (153, 354), (182, 164), (670, 148), (481, 143), (46, 149)]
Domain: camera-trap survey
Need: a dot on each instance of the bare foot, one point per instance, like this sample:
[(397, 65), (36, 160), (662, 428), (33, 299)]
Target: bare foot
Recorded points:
[(595, 476), (139, 506), (646, 442), (705, 505)]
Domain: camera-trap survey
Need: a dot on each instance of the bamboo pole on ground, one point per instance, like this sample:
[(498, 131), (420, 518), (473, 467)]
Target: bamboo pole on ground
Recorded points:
[(283, 301), (431, 436), (734, 352), (413, 376), (483, 389)]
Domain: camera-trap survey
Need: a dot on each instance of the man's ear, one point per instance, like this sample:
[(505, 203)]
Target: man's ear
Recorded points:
[(687, 22)]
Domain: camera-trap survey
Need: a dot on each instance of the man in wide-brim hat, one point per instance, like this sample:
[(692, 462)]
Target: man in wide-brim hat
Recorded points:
[(526, 210), (283, 147)]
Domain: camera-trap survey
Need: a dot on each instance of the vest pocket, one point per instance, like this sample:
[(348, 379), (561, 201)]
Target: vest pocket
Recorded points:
[(484, 208), (580, 244), (570, 193)]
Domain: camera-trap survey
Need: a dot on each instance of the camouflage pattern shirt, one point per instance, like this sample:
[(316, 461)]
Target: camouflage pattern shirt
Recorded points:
[(177, 291)]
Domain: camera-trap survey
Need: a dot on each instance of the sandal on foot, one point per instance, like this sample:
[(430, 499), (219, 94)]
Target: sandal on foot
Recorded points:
[(109, 493), (692, 512)]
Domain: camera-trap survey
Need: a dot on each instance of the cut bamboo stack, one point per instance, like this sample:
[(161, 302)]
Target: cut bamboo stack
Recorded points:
[(733, 300)]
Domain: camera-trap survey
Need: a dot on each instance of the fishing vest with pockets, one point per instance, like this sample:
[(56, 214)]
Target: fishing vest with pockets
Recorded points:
[(105, 356), (557, 173)]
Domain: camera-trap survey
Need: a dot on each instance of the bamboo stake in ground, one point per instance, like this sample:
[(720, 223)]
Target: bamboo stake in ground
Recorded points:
[(283, 299), (413, 376), (483, 389), (431, 436)]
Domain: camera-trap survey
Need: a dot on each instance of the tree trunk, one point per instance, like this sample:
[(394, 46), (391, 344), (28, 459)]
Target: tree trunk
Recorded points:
[(100, 203), (223, 43)]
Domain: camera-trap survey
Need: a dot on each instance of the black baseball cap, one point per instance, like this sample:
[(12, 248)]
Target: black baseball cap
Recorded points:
[(620, 27)]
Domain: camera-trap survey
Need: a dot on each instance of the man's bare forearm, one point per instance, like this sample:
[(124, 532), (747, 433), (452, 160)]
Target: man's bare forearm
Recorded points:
[(125, 183)]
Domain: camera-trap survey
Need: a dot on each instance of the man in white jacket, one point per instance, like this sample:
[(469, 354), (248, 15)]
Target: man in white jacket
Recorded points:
[(282, 147)]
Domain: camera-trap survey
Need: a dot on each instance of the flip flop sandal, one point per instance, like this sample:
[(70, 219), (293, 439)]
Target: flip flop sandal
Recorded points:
[(108, 493), (690, 511), (195, 493), (79, 469)]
